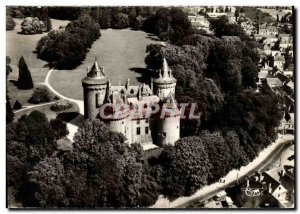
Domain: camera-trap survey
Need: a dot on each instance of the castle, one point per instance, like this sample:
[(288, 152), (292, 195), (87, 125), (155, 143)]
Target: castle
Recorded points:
[(132, 119)]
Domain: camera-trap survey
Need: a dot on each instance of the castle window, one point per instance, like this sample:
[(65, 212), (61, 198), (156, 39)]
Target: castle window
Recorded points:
[(122, 91), (146, 130), (145, 106), (98, 100), (138, 122), (131, 91), (164, 134), (138, 130), (147, 120)]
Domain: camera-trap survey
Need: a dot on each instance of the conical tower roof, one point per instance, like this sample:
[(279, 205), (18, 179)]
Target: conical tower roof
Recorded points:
[(165, 69), (96, 71), (95, 75), (165, 74)]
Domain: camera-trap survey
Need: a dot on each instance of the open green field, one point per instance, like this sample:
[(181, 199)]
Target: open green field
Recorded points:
[(117, 51), (18, 45), (253, 14)]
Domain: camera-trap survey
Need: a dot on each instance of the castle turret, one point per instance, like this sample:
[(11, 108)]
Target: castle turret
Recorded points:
[(168, 123), (165, 83), (94, 90), (118, 114)]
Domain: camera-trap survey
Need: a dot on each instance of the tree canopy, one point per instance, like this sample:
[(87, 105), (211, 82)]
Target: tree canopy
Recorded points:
[(25, 79)]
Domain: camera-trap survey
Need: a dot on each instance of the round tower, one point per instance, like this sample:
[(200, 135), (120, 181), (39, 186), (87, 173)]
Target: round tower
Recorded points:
[(94, 90), (118, 114), (165, 84), (168, 123)]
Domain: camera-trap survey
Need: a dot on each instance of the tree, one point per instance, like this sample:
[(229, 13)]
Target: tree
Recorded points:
[(60, 128), (48, 24), (10, 23), (47, 178), (237, 13), (100, 171), (66, 48), (222, 27), (9, 113), (32, 26), (25, 80), (8, 67), (169, 25), (40, 95), (17, 105), (186, 167), (138, 22), (218, 154), (238, 156), (120, 21)]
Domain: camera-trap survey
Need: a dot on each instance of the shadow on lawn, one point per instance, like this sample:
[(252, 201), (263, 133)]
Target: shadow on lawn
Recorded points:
[(146, 74), (57, 65), (69, 116), (15, 82)]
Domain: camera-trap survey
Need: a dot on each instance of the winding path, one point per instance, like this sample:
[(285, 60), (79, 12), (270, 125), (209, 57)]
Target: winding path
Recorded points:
[(77, 120), (72, 128)]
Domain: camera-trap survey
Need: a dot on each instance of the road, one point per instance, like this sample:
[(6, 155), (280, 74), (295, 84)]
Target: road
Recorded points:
[(264, 158), (261, 167)]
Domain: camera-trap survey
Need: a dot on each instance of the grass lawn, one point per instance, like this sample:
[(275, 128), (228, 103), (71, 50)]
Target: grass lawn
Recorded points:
[(117, 51), (253, 14), (49, 113), (18, 45)]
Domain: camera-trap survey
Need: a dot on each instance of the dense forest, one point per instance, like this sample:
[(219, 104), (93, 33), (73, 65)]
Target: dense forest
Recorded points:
[(218, 73)]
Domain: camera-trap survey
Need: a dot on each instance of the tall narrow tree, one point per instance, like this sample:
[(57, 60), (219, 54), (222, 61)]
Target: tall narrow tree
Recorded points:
[(9, 113), (25, 80)]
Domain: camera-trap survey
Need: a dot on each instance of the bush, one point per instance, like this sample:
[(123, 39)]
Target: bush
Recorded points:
[(10, 23), (17, 105), (40, 95), (32, 26), (61, 105)]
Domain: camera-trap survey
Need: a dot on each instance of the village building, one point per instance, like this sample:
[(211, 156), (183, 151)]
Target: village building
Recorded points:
[(267, 49), (278, 61), (267, 30)]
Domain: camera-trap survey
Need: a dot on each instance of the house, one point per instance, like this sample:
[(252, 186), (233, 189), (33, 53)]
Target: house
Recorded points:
[(273, 80), (258, 37), (280, 184), (287, 124), (278, 61), (267, 50), (285, 37), (270, 40), (288, 72), (267, 30), (275, 52), (199, 22), (263, 73)]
